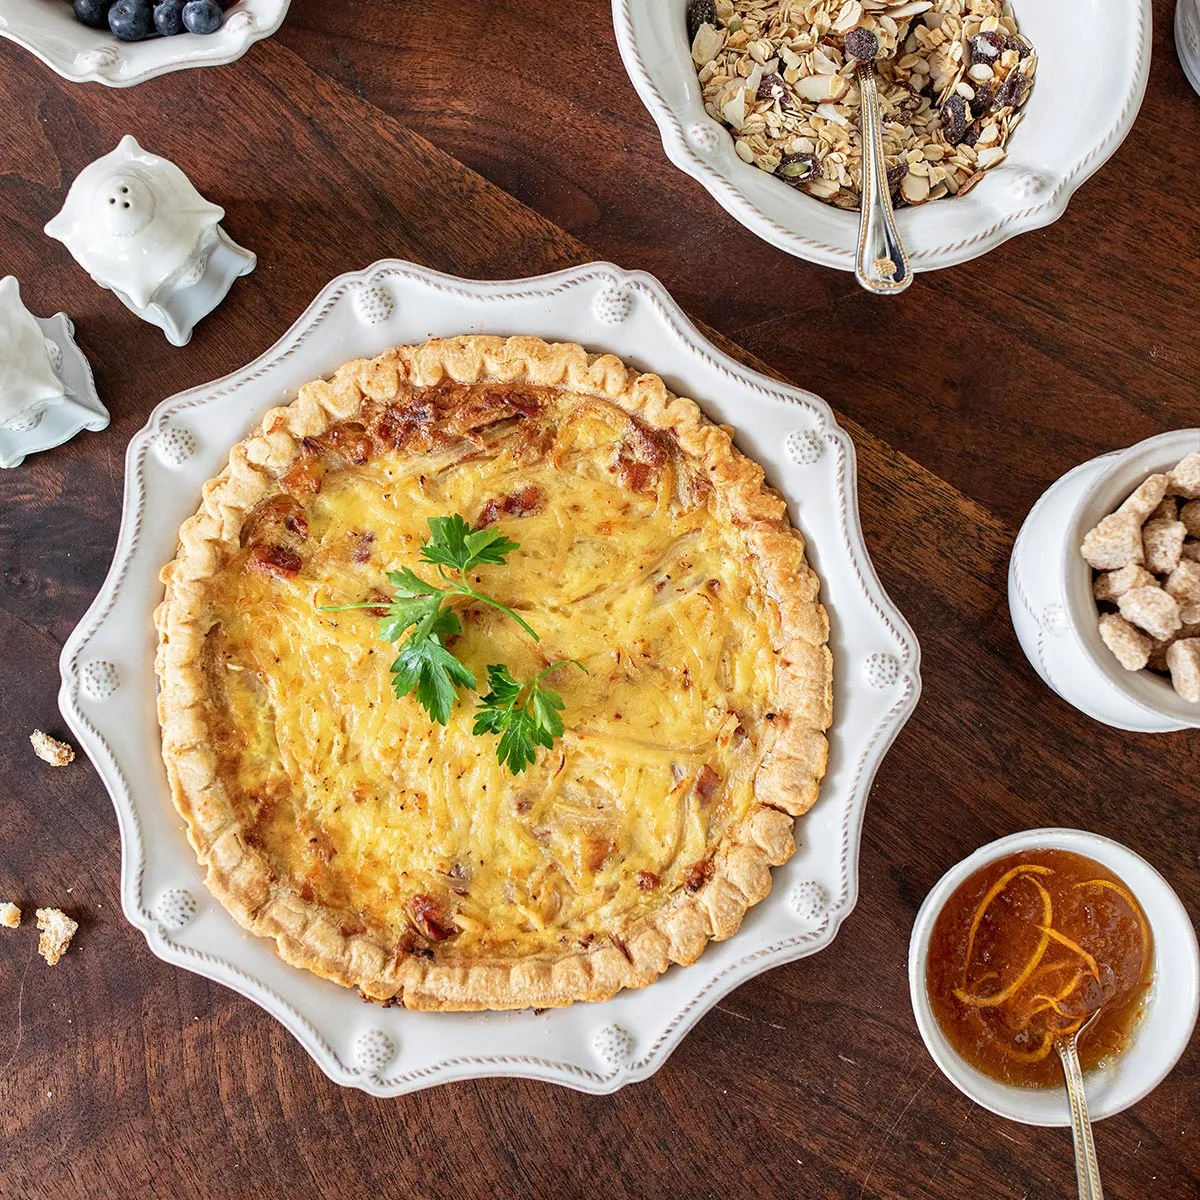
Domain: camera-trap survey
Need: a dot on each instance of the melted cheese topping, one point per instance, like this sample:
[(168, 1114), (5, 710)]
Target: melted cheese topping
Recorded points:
[(363, 803)]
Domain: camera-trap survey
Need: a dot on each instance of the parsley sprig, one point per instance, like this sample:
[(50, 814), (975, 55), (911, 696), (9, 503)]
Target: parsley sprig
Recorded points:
[(525, 714), (420, 617)]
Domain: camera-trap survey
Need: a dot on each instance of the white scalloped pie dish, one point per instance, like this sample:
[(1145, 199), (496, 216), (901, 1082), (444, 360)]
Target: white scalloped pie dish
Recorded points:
[(81, 54), (1093, 63), (108, 686)]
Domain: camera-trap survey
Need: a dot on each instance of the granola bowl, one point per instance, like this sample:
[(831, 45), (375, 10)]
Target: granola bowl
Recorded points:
[(1093, 61), (48, 29)]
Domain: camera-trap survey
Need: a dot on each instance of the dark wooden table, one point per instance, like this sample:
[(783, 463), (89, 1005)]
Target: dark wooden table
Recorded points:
[(373, 129)]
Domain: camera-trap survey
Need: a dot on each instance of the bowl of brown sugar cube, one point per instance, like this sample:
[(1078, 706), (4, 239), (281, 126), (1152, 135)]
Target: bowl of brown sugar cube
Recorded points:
[(1139, 592), (1104, 585)]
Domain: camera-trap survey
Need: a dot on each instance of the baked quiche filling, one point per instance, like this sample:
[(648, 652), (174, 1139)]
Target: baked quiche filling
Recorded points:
[(400, 855)]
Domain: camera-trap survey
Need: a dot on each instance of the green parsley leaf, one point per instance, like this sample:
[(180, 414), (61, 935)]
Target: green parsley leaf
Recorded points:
[(428, 668), (414, 603), (453, 543), (419, 617), (525, 715)]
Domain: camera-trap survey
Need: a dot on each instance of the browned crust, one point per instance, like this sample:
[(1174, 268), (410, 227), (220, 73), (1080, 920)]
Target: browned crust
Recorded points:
[(785, 786)]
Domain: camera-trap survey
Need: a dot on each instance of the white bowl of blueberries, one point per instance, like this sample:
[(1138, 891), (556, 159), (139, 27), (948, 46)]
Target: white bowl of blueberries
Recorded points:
[(122, 42)]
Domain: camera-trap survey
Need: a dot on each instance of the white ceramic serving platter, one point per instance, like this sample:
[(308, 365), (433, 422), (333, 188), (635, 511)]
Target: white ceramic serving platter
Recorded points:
[(108, 686), (1093, 63), (81, 54)]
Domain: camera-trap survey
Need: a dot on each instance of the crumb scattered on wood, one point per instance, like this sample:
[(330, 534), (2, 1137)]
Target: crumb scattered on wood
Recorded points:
[(10, 914), (51, 750), (57, 931)]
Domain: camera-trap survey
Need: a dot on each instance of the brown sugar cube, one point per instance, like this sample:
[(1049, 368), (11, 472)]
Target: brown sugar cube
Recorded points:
[(57, 931), (1151, 609), (1184, 583), (1185, 477), (1158, 656), (10, 915), (1189, 514), (1159, 647), (1191, 550), (1147, 498), (1183, 661), (1189, 614), (1115, 542), (1131, 648), (1163, 542), (1167, 510), (1114, 584)]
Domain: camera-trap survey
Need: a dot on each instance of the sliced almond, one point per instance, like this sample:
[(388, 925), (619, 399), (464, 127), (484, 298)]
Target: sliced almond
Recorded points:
[(915, 188), (822, 88), (706, 45)]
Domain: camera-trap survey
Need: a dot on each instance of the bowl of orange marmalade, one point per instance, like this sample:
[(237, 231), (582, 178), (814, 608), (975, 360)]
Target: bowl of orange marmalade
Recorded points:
[(1028, 939)]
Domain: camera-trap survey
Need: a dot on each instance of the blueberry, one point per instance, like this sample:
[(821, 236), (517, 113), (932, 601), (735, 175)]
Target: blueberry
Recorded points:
[(93, 12), (131, 20), (168, 17), (202, 16)]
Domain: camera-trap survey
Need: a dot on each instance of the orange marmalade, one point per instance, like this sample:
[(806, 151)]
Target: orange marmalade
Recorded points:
[(1026, 950)]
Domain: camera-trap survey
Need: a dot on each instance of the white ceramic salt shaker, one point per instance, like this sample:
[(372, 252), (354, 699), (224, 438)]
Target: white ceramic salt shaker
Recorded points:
[(1187, 39), (138, 226), (46, 390), (1050, 592)]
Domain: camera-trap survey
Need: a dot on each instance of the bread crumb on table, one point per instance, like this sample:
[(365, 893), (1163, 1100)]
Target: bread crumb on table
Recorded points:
[(57, 931), (51, 750), (10, 914)]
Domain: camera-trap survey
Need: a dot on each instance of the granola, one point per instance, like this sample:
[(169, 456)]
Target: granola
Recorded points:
[(953, 76), (1146, 560)]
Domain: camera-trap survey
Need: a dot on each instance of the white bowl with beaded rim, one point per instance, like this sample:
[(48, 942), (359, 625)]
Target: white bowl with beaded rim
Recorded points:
[(1093, 63), (108, 682), (1158, 1039), (1050, 598), (48, 29)]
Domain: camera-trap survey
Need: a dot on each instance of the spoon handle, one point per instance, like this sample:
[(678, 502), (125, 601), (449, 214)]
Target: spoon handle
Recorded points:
[(882, 264), (1087, 1169)]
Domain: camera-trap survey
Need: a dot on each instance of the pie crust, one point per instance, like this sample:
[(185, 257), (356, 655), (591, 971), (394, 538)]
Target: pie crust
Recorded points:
[(276, 718)]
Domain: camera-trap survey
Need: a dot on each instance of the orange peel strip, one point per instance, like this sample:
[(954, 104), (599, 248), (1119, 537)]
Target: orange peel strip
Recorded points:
[(1007, 993), (995, 890), (1054, 1002), (1063, 940)]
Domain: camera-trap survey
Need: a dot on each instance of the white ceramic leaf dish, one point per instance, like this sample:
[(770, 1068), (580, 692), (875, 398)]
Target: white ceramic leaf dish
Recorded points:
[(1093, 64), (108, 685), (48, 29)]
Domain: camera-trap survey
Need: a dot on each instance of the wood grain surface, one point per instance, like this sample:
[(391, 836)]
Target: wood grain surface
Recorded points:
[(356, 134)]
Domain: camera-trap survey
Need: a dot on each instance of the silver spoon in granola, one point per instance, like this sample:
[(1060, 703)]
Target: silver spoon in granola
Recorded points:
[(881, 265)]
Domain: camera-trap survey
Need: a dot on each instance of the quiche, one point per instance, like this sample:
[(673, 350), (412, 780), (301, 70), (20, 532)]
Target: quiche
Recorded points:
[(396, 855)]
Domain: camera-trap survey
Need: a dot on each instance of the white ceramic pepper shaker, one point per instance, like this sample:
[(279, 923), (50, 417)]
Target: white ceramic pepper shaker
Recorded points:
[(138, 226), (46, 390)]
